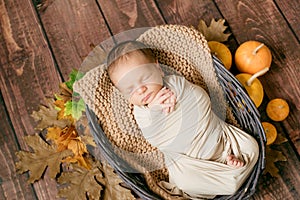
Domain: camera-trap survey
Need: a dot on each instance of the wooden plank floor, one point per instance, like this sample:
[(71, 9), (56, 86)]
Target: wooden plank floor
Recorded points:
[(41, 41)]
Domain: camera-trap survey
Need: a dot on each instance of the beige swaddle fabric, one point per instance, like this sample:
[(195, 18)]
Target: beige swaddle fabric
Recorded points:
[(196, 142)]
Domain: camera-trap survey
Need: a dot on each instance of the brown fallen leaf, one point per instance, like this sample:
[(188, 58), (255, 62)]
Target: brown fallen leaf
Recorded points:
[(80, 183), (44, 156), (280, 139), (273, 156), (215, 31), (113, 189), (47, 116)]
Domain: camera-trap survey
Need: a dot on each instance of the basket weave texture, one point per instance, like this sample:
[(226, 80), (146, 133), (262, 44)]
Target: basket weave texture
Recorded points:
[(184, 50)]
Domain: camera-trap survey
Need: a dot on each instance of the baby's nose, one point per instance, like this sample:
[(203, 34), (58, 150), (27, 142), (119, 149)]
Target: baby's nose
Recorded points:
[(141, 89)]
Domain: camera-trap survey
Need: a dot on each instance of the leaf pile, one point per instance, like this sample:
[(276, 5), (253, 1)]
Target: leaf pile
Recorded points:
[(67, 138), (65, 157), (215, 31)]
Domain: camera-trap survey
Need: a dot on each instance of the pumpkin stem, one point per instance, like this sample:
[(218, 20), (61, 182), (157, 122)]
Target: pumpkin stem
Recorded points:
[(254, 52), (257, 74)]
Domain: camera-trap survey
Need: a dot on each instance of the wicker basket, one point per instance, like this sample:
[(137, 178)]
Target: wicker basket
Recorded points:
[(97, 92)]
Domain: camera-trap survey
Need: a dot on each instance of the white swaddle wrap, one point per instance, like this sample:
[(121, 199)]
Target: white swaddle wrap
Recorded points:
[(196, 143)]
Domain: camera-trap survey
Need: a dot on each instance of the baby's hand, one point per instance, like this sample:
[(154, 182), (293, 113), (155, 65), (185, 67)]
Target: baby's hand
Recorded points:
[(164, 100), (172, 101)]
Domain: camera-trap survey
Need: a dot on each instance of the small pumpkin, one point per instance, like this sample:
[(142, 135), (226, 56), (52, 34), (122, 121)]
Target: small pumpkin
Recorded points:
[(252, 56), (222, 52), (271, 132), (278, 109), (253, 86), (255, 89)]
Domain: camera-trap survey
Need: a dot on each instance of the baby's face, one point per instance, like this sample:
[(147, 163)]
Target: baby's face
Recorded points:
[(138, 80)]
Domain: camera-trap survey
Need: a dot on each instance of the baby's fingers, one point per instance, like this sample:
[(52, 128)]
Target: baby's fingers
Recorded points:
[(165, 96)]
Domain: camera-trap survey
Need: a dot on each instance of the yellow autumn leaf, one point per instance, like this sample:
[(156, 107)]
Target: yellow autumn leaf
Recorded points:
[(53, 133), (67, 134), (77, 146), (67, 138)]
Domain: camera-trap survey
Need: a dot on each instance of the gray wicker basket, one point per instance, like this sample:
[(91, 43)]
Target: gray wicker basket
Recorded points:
[(241, 107)]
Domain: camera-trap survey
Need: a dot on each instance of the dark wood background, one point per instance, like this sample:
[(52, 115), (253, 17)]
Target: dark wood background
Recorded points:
[(41, 41)]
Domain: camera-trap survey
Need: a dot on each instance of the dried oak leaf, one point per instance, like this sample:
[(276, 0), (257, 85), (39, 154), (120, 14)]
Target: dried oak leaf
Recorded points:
[(273, 156), (44, 156), (215, 31), (113, 189), (47, 116), (80, 183), (280, 139)]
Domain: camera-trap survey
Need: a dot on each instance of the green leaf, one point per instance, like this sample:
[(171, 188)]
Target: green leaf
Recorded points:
[(75, 108), (73, 76)]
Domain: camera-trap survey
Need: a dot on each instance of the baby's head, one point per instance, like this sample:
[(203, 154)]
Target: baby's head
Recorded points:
[(135, 72)]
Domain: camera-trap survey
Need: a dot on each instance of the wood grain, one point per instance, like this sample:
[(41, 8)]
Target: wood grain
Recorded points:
[(13, 185), (27, 73), (188, 12), (291, 11), (130, 15), (73, 29), (263, 22)]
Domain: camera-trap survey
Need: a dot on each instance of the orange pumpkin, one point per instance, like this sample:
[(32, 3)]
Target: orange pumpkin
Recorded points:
[(278, 109), (254, 88), (222, 52), (252, 56), (271, 132)]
